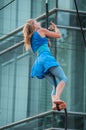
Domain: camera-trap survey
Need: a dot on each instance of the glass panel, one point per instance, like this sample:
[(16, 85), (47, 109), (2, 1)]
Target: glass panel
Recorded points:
[(15, 15), (71, 55), (71, 19), (52, 121), (14, 85), (39, 7), (11, 40), (8, 13), (69, 4), (23, 12), (81, 5)]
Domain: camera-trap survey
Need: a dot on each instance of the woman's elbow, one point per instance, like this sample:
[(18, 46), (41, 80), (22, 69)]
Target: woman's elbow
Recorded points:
[(59, 36)]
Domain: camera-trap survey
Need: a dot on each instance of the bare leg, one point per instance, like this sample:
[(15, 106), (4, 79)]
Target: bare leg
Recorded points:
[(59, 89), (53, 97), (59, 73)]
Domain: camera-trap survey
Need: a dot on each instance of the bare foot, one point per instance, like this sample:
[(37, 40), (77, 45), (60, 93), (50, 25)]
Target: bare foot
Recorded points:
[(58, 101)]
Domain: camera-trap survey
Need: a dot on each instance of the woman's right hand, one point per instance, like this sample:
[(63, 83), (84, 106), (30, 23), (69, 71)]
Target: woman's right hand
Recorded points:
[(52, 26)]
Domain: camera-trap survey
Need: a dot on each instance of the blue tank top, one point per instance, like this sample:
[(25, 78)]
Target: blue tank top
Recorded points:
[(39, 43)]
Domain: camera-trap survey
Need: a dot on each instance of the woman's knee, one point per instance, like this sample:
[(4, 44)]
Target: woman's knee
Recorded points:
[(64, 79), (62, 83), (53, 91), (59, 73)]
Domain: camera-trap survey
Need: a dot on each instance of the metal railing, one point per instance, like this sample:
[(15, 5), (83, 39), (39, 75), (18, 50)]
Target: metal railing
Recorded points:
[(43, 16), (42, 115), (39, 18)]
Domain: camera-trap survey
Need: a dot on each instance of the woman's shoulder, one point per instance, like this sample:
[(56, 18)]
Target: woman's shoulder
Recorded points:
[(42, 31)]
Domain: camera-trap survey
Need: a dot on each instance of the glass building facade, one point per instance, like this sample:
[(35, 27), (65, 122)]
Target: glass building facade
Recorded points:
[(20, 95)]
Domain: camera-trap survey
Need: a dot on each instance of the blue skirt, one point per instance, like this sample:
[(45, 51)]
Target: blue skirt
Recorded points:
[(43, 63)]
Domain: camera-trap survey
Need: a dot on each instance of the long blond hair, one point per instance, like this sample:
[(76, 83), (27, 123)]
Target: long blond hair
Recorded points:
[(27, 32)]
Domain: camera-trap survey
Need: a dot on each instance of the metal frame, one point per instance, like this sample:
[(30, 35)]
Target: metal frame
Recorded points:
[(43, 16), (40, 115), (12, 47), (80, 22), (39, 18)]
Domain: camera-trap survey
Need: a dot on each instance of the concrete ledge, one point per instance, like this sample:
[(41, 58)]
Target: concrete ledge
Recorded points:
[(59, 129)]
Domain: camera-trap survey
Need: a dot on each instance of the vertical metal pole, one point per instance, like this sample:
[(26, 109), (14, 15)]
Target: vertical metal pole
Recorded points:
[(52, 75), (47, 14), (80, 22), (65, 118)]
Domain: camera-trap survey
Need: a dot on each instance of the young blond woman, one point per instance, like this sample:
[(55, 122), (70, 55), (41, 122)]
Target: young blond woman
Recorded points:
[(45, 65)]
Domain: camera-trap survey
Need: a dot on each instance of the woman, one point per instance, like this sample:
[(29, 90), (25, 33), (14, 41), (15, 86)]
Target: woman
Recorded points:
[(45, 65)]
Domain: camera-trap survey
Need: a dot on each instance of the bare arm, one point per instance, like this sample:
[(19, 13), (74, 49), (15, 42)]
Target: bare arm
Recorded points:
[(55, 34)]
